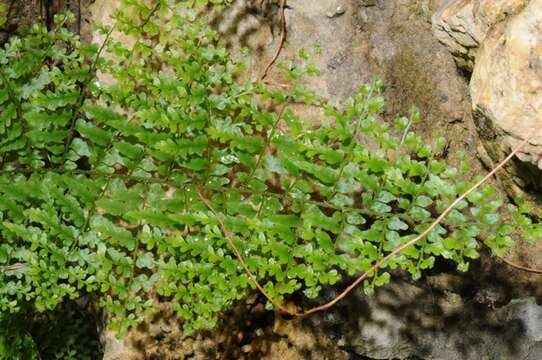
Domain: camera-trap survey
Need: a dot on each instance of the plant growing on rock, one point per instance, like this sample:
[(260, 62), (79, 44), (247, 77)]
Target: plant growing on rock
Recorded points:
[(176, 182), (3, 13)]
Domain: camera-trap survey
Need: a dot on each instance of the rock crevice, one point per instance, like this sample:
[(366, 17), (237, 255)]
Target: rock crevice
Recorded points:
[(500, 41)]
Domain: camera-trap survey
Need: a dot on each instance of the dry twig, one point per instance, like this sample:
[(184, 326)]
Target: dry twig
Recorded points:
[(412, 242), (229, 237), (12, 267), (520, 267), (282, 39)]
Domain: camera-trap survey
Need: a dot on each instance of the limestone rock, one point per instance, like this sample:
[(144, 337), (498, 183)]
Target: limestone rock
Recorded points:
[(115, 349), (462, 25), (407, 321), (101, 12), (506, 90), (499, 40)]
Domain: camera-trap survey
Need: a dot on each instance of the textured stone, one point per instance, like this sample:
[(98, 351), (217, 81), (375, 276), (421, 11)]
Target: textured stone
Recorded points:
[(462, 25), (502, 40), (407, 321), (115, 349), (390, 39), (506, 91)]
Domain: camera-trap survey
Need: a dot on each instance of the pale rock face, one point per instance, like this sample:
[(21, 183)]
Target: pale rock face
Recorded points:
[(500, 41), (115, 349), (506, 85), (102, 12), (462, 25), (503, 47)]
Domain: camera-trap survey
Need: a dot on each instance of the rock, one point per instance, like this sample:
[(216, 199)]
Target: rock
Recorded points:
[(500, 41), (405, 321), (299, 341), (389, 39), (368, 3), (418, 70), (336, 11), (115, 349), (462, 25), (506, 91)]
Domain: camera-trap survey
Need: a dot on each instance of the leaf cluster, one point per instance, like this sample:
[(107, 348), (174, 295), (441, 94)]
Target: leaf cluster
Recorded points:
[(103, 159), (67, 333)]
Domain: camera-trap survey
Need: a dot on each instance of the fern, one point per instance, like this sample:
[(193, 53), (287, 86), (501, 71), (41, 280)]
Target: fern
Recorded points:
[(103, 187)]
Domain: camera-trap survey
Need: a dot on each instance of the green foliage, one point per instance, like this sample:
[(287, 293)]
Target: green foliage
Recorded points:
[(3, 14), (100, 180), (217, 4), (66, 333), (16, 343)]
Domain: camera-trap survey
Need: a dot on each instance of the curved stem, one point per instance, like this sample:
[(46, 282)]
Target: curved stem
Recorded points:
[(520, 267), (412, 242), (229, 238), (282, 39)]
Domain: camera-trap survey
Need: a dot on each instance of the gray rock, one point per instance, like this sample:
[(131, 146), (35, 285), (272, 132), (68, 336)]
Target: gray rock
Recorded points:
[(389, 39), (405, 321)]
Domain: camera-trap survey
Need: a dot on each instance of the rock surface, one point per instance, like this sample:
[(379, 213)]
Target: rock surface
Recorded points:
[(499, 41), (462, 25), (407, 321), (388, 39), (504, 46), (506, 88)]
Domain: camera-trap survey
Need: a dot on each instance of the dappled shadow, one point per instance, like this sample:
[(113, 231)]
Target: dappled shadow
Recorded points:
[(446, 315), (449, 316), (69, 329), (247, 24)]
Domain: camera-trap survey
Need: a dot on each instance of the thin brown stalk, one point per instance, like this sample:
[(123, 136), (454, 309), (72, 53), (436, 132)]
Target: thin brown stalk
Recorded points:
[(17, 266), (520, 267), (229, 238), (412, 242), (282, 39), (386, 258)]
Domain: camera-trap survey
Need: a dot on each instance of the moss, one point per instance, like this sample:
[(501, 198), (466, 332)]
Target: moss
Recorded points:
[(415, 82)]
